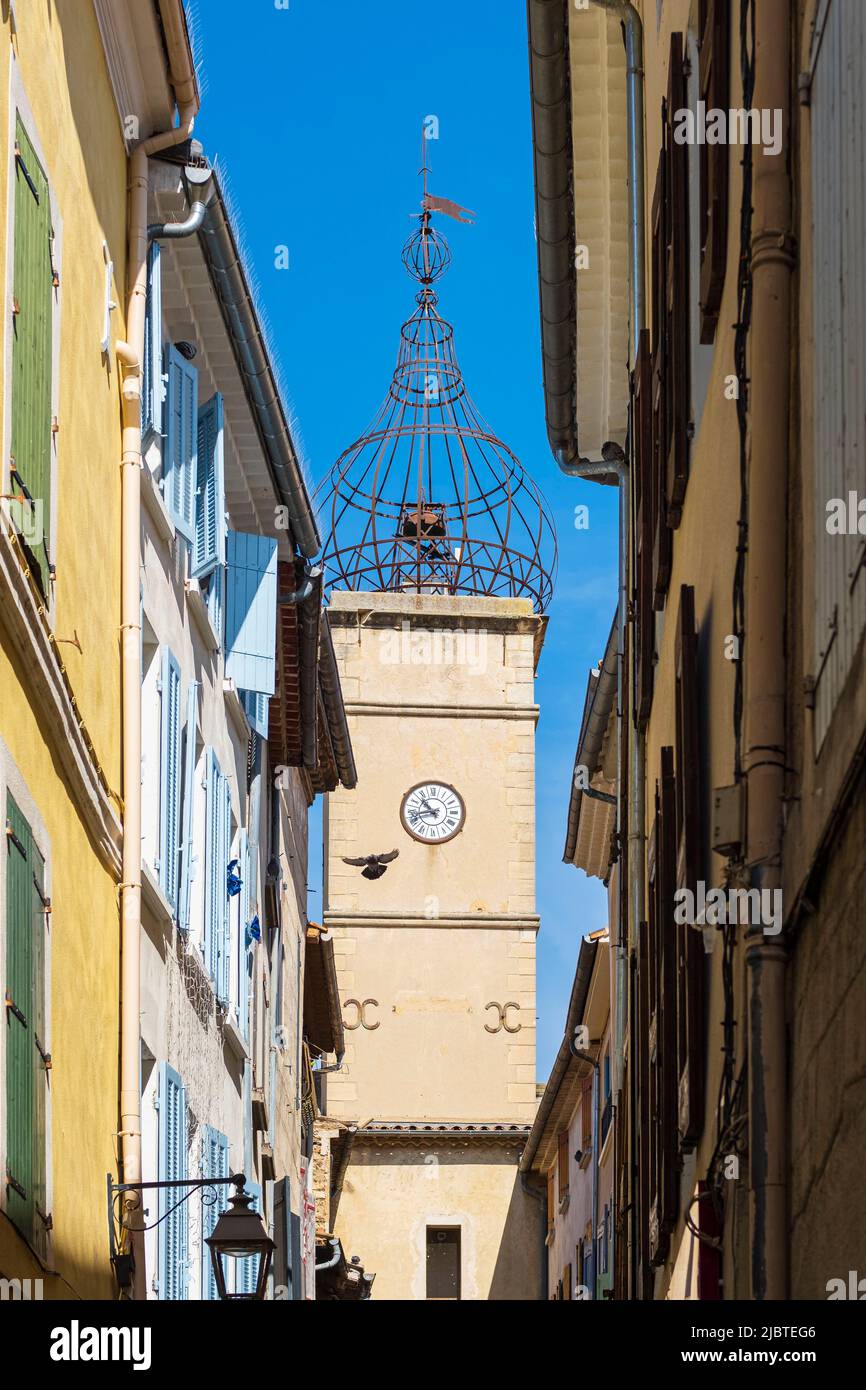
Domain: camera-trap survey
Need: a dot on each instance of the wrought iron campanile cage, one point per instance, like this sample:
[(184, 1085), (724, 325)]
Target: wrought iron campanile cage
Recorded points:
[(429, 500)]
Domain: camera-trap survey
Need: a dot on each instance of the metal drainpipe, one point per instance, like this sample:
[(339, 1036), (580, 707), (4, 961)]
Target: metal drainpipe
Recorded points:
[(773, 263)]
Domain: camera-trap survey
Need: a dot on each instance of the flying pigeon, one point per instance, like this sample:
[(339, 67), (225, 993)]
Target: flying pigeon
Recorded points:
[(374, 865)]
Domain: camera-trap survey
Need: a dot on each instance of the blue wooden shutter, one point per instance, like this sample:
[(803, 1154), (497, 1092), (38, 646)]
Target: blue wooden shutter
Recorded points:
[(215, 601), (257, 708), (243, 917), (245, 950), (215, 879), (152, 385), (187, 817), (179, 454), (251, 612), (173, 1228), (248, 1269), (224, 957), (214, 1164), (209, 543), (169, 777)]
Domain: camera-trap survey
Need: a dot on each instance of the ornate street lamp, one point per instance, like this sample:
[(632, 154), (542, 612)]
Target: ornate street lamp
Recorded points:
[(240, 1234)]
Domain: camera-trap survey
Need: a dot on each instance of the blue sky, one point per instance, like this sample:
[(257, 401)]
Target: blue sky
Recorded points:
[(315, 110)]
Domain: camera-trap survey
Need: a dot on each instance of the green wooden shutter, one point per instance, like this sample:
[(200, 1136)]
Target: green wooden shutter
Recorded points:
[(25, 1031), (31, 349), (20, 1099), (39, 1054)]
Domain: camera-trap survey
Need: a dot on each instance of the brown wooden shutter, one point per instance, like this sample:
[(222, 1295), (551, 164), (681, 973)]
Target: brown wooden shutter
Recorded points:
[(643, 1119), (661, 536), (715, 40), (690, 950), (562, 1163), (678, 373), (586, 1114), (644, 502), (664, 1169), (551, 1199)]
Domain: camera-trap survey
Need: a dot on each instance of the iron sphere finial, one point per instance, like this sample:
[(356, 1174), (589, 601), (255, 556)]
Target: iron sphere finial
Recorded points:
[(426, 254)]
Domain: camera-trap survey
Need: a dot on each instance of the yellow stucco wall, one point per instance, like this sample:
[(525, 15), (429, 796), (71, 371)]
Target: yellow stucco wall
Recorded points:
[(56, 60)]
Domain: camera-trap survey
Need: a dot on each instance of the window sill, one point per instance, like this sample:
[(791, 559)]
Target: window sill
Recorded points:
[(235, 707), (155, 504), (260, 1110), (234, 1037), (154, 899), (266, 1160), (198, 608)]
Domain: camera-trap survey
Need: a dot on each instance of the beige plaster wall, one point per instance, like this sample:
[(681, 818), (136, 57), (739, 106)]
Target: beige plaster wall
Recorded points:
[(438, 688), (391, 1194)]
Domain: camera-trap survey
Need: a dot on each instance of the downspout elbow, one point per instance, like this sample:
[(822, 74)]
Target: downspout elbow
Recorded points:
[(604, 470), (308, 584), (333, 1261), (173, 231), (130, 388)]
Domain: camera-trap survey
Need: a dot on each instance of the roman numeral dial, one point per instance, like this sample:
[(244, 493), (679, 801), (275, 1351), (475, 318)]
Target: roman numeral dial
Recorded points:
[(433, 812)]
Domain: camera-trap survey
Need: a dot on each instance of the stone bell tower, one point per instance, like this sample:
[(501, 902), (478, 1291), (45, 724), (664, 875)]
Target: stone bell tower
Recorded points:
[(439, 557)]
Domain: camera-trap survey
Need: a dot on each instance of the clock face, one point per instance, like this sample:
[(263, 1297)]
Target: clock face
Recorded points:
[(433, 812)]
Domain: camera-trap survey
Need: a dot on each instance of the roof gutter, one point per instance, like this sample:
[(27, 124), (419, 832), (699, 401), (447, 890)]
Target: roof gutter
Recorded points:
[(595, 721), (550, 84), (248, 344), (576, 1007)]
